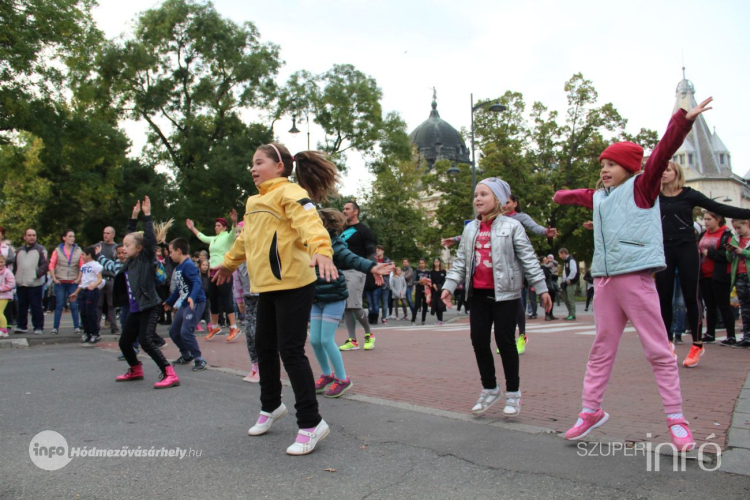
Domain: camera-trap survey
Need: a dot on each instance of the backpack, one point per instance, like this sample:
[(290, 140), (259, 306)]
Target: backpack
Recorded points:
[(161, 274)]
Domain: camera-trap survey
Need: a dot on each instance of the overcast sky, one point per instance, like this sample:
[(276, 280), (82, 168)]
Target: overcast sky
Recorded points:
[(632, 51)]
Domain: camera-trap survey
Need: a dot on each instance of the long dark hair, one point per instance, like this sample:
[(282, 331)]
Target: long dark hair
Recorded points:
[(515, 199), (315, 172), (64, 234)]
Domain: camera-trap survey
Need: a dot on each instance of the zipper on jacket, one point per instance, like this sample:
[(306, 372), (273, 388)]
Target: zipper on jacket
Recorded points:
[(264, 212), (634, 243), (604, 243)]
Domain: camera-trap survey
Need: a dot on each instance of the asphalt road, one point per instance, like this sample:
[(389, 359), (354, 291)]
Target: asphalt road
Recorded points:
[(373, 451)]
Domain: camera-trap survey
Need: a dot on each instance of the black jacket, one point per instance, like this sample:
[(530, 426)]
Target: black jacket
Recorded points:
[(677, 214), (343, 259), (719, 256), (141, 272)]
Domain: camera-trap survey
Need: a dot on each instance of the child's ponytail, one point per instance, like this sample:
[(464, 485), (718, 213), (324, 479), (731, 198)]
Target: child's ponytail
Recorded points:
[(315, 172)]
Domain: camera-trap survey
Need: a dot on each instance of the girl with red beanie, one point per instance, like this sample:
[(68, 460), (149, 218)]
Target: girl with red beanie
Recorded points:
[(628, 249)]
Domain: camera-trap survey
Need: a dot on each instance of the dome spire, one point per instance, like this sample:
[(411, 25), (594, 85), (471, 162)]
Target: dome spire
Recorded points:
[(434, 113)]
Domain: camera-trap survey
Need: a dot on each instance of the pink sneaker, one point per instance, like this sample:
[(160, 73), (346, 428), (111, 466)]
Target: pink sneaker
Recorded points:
[(199, 328), (169, 379), (682, 438), (586, 423), (254, 376), (338, 388), (323, 382), (134, 373)]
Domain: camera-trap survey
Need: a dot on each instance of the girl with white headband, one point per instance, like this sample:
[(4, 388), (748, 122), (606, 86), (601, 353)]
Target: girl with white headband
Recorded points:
[(282, 241), (493, 257)]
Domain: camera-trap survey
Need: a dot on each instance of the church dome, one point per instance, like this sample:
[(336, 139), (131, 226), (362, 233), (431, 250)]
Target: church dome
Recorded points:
[(436, 139)]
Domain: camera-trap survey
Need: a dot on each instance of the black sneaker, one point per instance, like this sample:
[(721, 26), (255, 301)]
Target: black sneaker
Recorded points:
[(86, 338), (182, 360), (678, 339), (743, 343), (94, 339), (709, 339), (200, 365), (729, 341)]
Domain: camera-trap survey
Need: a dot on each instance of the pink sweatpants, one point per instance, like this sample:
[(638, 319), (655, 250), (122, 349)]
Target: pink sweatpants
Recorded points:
[(618, 299)]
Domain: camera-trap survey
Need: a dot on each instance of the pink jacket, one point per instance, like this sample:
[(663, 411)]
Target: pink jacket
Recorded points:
[(7, 284)]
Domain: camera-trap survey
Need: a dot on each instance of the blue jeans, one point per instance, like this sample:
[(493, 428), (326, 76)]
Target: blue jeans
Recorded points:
[(409, 298), (678, 307), (62, 292), (182, 331), (373, 301)]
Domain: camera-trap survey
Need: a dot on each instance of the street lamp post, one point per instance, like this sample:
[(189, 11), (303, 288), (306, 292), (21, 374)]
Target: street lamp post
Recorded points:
[(295, 130)]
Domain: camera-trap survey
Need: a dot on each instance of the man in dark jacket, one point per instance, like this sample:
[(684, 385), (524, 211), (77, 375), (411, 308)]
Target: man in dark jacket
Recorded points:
[(30, 268)]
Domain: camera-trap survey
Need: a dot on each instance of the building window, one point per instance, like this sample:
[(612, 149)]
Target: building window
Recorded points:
[(674, 158), (682, 159), (690, 159), (721, 158)]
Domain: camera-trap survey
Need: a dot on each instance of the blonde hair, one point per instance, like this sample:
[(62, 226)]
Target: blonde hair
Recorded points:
[(137, 237), (679, 175), (333, 220), (161, 229)]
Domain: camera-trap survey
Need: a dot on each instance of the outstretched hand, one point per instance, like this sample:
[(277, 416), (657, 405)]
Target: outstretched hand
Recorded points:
[(189, 224), (222, 274), (447, 242), (383, 268), (700, 108), (551, 232), (589, 224), (146, 206), (233, 216), (326, 268), (446, 298), (136, 210)]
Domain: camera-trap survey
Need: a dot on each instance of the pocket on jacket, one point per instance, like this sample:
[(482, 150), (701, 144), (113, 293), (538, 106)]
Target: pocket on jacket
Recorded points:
[(274, 259)]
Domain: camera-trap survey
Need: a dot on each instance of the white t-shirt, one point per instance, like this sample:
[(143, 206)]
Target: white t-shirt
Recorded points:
[(89, 273)]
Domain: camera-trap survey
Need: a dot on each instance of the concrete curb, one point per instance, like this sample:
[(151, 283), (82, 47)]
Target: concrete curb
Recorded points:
[(13, 343), (736, 458)]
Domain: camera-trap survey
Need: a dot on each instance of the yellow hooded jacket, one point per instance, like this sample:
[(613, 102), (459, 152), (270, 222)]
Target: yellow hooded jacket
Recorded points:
[(282, 232)]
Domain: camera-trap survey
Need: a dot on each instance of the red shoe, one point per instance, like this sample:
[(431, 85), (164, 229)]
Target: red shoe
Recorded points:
[(212, 332), (169, 379), (134, 373), (233, 333), (682, 438)]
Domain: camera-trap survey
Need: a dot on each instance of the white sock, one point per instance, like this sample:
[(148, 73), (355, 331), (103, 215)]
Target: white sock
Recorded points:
[(588, 410)]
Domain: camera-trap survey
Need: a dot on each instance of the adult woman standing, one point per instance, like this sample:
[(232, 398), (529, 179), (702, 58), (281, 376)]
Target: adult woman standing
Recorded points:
[(220, 296), (681, 251), (716, 276), (65, 269), (421, 277), (437, 276)]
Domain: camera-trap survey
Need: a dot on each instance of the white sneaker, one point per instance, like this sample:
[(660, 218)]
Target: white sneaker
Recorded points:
[(487, 398), (261, 428), (53, 331), (38, 331), (512, 403), (321, 431)]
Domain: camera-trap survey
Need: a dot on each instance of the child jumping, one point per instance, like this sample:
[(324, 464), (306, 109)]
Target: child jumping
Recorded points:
[(628, 248), (493, 257), (135, 288), (283, 241), (329, 304)]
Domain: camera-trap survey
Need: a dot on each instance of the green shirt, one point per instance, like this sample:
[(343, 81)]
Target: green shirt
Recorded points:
[(218, 245)]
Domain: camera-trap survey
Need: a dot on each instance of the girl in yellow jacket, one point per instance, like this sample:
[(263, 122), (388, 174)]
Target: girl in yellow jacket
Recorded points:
[(282, 241)]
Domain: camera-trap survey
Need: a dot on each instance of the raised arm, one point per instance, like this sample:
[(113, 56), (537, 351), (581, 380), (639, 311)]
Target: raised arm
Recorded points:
[(703, 201), (581, 197), (149, 235)]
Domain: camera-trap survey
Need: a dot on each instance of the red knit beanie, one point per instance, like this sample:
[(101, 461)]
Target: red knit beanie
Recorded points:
[(626, 154)]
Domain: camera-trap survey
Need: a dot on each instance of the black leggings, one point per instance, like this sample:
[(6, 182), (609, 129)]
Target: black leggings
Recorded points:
[(141, 326), (485, 313), (520, 319), (683, 257), (281, 330), (716, 294), (220, 297), (420, 301)]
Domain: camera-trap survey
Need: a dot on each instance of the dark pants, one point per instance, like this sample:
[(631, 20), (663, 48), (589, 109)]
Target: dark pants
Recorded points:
[(589, 296), (533, 304), (716, 295), (420, 302), (107, 295), (438, 306), (683, 257), (461, 300), (139, 326), (282, 330), (485, 313), (743, 294), (220, 298), (30, 297), (520, 320), (88, 304), (182, 331)]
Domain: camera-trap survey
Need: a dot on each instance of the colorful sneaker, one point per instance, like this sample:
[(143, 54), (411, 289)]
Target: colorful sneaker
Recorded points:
[(349, 345), (338, 388), (266, 420), (694, 356), (369, 342), (199, 328), (307, 439), (521, 344), (3, 332), (212, 332), (682, 438), (384, 321), (254, 376), (728, 342), (233, 333), (487, 398), (323, 382), (167, 379), (512, 403), (133, 373), (586, 423), (570, 318)]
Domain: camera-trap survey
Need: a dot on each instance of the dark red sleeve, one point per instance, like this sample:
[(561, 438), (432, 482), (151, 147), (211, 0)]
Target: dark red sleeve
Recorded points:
[(580, 197), (648, 185)]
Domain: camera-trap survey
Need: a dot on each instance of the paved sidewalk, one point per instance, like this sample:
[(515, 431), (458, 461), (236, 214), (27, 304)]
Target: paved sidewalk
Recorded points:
[(434, 367)]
